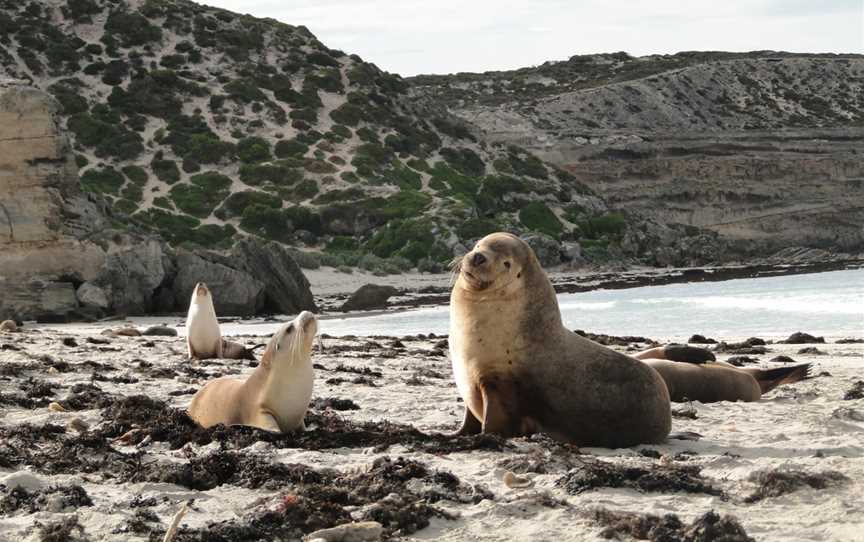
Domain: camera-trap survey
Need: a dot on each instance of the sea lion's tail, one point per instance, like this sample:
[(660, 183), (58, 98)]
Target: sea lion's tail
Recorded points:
[(769, 379)]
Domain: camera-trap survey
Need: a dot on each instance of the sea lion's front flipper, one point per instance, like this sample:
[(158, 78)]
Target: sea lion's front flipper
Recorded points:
[(267, 422), (470, 425), (499, 401)]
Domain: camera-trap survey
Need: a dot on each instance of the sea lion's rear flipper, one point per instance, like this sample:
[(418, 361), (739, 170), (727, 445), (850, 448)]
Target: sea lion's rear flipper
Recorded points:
[(499, 402), (470, 425), (267, 422), (768, 379)]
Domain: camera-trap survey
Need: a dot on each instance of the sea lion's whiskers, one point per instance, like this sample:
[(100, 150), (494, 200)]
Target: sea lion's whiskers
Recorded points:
[(455, 266)]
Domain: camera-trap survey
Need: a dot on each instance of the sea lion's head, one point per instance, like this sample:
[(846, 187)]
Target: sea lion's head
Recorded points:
[(293, 341), (496, 262), (201, 291)]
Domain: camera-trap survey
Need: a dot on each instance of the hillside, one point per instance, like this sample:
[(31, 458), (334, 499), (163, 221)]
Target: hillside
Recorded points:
[(207, 126), (761, 148)]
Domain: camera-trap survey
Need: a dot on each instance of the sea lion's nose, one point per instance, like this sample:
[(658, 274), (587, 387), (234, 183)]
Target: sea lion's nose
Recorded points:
[(478, 259)]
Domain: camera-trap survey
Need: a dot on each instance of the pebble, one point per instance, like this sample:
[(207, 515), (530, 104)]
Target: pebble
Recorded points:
[(364, 531), (8, 325), (56, 407), (513, 481)]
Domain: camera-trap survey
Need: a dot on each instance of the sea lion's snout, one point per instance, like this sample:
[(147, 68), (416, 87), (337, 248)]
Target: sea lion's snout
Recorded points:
[(201, 289), (307, 321), (478, 259)]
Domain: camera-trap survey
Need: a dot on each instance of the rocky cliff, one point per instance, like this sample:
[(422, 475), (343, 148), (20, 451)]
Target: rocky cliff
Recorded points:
[(63, 256), (760, 151)]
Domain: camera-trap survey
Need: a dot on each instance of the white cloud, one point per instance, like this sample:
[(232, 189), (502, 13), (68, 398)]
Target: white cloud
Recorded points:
[(443, 36)]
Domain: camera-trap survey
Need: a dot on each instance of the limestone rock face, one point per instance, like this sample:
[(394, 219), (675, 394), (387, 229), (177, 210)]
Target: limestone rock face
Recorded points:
[(286, 288), (235, 293), (548, 250)]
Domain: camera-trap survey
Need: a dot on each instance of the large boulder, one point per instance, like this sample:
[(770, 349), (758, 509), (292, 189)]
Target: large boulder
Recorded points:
[(131, 273), (37, 300), (369, 297), (286, 288), (548, 250), (235, 293)]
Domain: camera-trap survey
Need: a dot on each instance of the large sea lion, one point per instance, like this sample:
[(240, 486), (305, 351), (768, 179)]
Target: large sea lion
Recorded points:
[(699, 378), (519, 370), (203, 335), (277, 393)]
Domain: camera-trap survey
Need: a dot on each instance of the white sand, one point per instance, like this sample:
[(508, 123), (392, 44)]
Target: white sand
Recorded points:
[(802, 426)]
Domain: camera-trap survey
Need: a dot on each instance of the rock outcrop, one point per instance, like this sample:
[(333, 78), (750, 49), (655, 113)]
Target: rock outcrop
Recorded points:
[(60, 257)]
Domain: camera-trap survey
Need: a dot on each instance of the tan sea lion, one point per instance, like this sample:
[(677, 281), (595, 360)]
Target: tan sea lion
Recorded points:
[(8, 325), (277, 393), (689, 376), (203, 336), (519, 370)]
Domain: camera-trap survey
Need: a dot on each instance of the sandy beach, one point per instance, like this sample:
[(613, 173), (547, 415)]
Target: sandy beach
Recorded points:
[(373, 451)]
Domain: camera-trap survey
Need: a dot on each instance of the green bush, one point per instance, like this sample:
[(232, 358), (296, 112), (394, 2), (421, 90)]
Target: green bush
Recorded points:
[(132, 29), (194, 200), (253, 149), (165, 170), (291, 147), (306, 189), (328, 79), (321, 59), (342, 131), (530, 165), (212, 181), (303, 218), (277, 174), (319, 166), (133, 192), (105, 181), (307, 115), (368, 135), (347, 114), (136, 174), (404, 204), (370, 158), (66, 92), (349, 177), (124, 206), (244, 90), (163, 202), (203, 148), (266, 222), (349, 194), (453, 128), (465, 161), (412, 239), (108, 137), (342, 243), (477, 228), (611, 225), (237, 202), (182, 229), (459, 185), (404, 178), (537, 216)]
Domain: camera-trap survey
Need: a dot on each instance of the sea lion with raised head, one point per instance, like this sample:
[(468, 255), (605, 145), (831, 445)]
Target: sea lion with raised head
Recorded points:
[(277, 393), (203, 335), (520, 371), (690, 376)]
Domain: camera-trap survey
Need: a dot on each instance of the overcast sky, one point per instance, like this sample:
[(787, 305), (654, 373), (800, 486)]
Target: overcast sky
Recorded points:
[(445, 36)]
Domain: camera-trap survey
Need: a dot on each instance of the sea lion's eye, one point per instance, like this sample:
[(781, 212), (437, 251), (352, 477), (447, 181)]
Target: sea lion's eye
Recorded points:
[(507, 265)]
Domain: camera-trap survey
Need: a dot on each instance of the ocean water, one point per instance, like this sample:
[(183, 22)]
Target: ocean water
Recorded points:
[(829, 304)]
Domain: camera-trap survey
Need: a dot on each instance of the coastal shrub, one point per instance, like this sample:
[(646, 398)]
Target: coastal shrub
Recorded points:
[(368, 135), (308, 99), (310, 137), (114, 72), (303, 218), (106, 135), (132, 192), (213, 236), (526, 164), (131, 28), (266, 222), (136, 174), (537, 216), (319, 166), (349, 177), (66, 92), (104, 181), (163, 202), (328, 79), (412, 239), (348, 114), (321, 59), (461, 186), (291, 147), (173, 61), (370, 158), (453, 128), (124, 206), (342, 131), (610, 225), (406, 203), (403, 177), (343, 243), (277, 174), (464, 160), (306, 115), (495, 190), (202, 148), (349, 194), (418, 164), (253, 149), (157, 93), (190, 165), (200, 198), (476, 228), (306, 189), (237, 202), (81, 161), (244, 90), (165, 170), (81, 9)]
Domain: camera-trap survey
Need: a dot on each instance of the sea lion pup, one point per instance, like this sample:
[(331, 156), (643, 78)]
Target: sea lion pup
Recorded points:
[(202, 328), (277, 393), (709, 382), (519, 370), (203, 336)]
